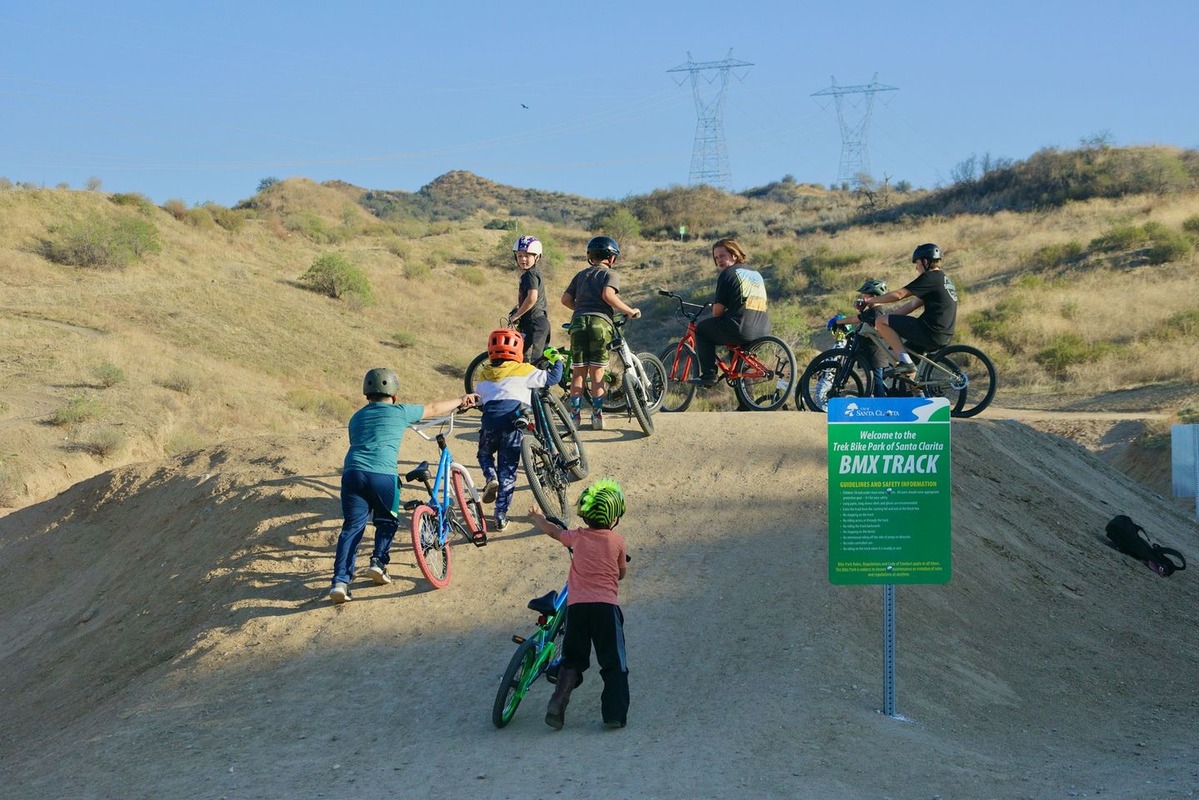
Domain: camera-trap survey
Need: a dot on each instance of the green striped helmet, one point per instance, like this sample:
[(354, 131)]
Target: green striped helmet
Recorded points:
[(602, 503)]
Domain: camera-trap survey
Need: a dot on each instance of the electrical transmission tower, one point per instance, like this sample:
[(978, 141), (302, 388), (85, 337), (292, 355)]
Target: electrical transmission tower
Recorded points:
[(710, 155), (854, 159)]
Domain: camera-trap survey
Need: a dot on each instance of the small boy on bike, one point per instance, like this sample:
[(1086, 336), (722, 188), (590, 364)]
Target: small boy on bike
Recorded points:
[(879, 359), (503, 391), (594, 616), (593, 295), (370, 486), (530, 317)]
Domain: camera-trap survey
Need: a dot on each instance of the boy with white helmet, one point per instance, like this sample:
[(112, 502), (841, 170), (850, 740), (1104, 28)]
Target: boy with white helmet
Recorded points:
[(530, 317)]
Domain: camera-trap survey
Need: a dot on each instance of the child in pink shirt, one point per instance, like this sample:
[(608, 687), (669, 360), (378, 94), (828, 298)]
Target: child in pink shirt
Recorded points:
[(593, 613)]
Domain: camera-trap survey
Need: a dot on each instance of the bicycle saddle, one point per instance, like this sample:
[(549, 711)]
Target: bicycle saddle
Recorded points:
[(545, 603), (421, 473)]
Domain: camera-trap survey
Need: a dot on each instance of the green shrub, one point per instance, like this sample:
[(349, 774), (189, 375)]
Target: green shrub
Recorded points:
[(136, 200), (403, 339), (999, 322), (200, 218), (1055, 255), (313, 227), (827, 271), (1169, 246), (108, 374), (320, 404), (333, 275), (417, 269), (619, 223), (1121, 237), (101, 243), (1180, 325), (78, 409), (472, 276), (1068, 349), (227, 218), (500, 225), (1191, 225)]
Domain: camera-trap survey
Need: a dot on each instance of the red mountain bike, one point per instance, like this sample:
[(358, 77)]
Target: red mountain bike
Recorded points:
[(761, 372)]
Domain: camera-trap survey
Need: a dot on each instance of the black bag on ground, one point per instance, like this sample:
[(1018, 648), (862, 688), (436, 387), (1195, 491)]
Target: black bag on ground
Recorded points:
[(1130, 538)]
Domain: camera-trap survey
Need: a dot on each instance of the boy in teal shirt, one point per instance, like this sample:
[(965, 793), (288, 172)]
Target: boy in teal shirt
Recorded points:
[(369, 480)]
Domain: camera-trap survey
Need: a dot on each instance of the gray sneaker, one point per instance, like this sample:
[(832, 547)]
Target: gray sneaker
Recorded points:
[(378, 573), (491, 491), (340, 593), (597, 421)]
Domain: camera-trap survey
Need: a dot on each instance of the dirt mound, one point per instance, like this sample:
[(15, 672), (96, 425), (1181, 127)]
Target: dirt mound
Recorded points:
[(165, 635)]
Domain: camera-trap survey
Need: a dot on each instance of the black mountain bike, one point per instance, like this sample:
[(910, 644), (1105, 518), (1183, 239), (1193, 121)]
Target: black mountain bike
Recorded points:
[(961, 373)]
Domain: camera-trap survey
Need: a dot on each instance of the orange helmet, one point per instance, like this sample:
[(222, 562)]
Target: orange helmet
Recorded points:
[(505, 345)]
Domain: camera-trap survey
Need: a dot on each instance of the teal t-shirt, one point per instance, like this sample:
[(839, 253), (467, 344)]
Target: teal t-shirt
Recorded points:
[(376, 431)]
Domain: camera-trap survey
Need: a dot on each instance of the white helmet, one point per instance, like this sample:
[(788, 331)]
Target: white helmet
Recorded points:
[(530, 243)]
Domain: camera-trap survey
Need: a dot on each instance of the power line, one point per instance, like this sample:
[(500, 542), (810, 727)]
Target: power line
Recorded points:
[(709, 154), (855, 161)]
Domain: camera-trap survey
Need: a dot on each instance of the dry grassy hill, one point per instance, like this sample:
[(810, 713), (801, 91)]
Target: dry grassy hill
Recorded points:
[(172, 429)]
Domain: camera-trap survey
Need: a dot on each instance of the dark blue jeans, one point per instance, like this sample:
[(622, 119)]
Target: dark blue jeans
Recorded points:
[(364, 494)]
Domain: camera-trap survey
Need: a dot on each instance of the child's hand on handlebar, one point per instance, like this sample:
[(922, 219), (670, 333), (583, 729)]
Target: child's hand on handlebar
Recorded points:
[(834, 322), (468, 401)]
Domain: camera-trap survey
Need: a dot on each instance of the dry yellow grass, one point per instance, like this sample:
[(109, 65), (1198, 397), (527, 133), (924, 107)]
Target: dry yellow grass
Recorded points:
[(216, 340)]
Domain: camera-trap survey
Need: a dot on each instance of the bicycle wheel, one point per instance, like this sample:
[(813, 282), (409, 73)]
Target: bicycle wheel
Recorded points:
[(469, 502), (546, 479), (432, 555), (681, 366), (566, 436), (518, 677), (830, 374), (970, 384), (768, 377), (472, 372), (633, 390), (654, 379)]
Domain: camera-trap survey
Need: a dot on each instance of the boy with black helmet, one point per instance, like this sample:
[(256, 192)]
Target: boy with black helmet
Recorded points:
[(933, 291), (530, 316), (593, 295), (594, 616), (503, 390), (370, 487)]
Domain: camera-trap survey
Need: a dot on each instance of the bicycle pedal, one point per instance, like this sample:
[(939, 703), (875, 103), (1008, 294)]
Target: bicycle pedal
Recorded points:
[(479, 539), (412, 505)]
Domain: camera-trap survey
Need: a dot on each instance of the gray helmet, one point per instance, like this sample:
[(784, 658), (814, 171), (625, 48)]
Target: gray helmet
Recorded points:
[(602, 247), (381, 380), (929, 252), (874, 287)]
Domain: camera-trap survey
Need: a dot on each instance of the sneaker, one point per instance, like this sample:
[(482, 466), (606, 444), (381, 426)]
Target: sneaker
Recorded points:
[(613, 723), (576, 418), (340, 593), (378, 573), (491, 490), (597, 421), (704, 381), (501, 523)]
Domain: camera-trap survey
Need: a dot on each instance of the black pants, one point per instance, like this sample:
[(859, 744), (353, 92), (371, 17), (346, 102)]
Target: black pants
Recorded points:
[(710, 332), (601, 624), (536, 331)]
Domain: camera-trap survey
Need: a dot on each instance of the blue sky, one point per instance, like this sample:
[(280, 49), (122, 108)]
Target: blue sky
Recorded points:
[(200, 102)]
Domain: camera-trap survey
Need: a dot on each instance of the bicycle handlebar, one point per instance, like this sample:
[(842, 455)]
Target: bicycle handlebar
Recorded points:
[(684, 305)]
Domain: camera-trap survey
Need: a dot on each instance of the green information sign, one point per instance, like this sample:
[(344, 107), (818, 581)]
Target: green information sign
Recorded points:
[(888, 490)]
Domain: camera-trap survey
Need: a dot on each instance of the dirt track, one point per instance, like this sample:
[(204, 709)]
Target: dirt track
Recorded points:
[(164, 636)]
